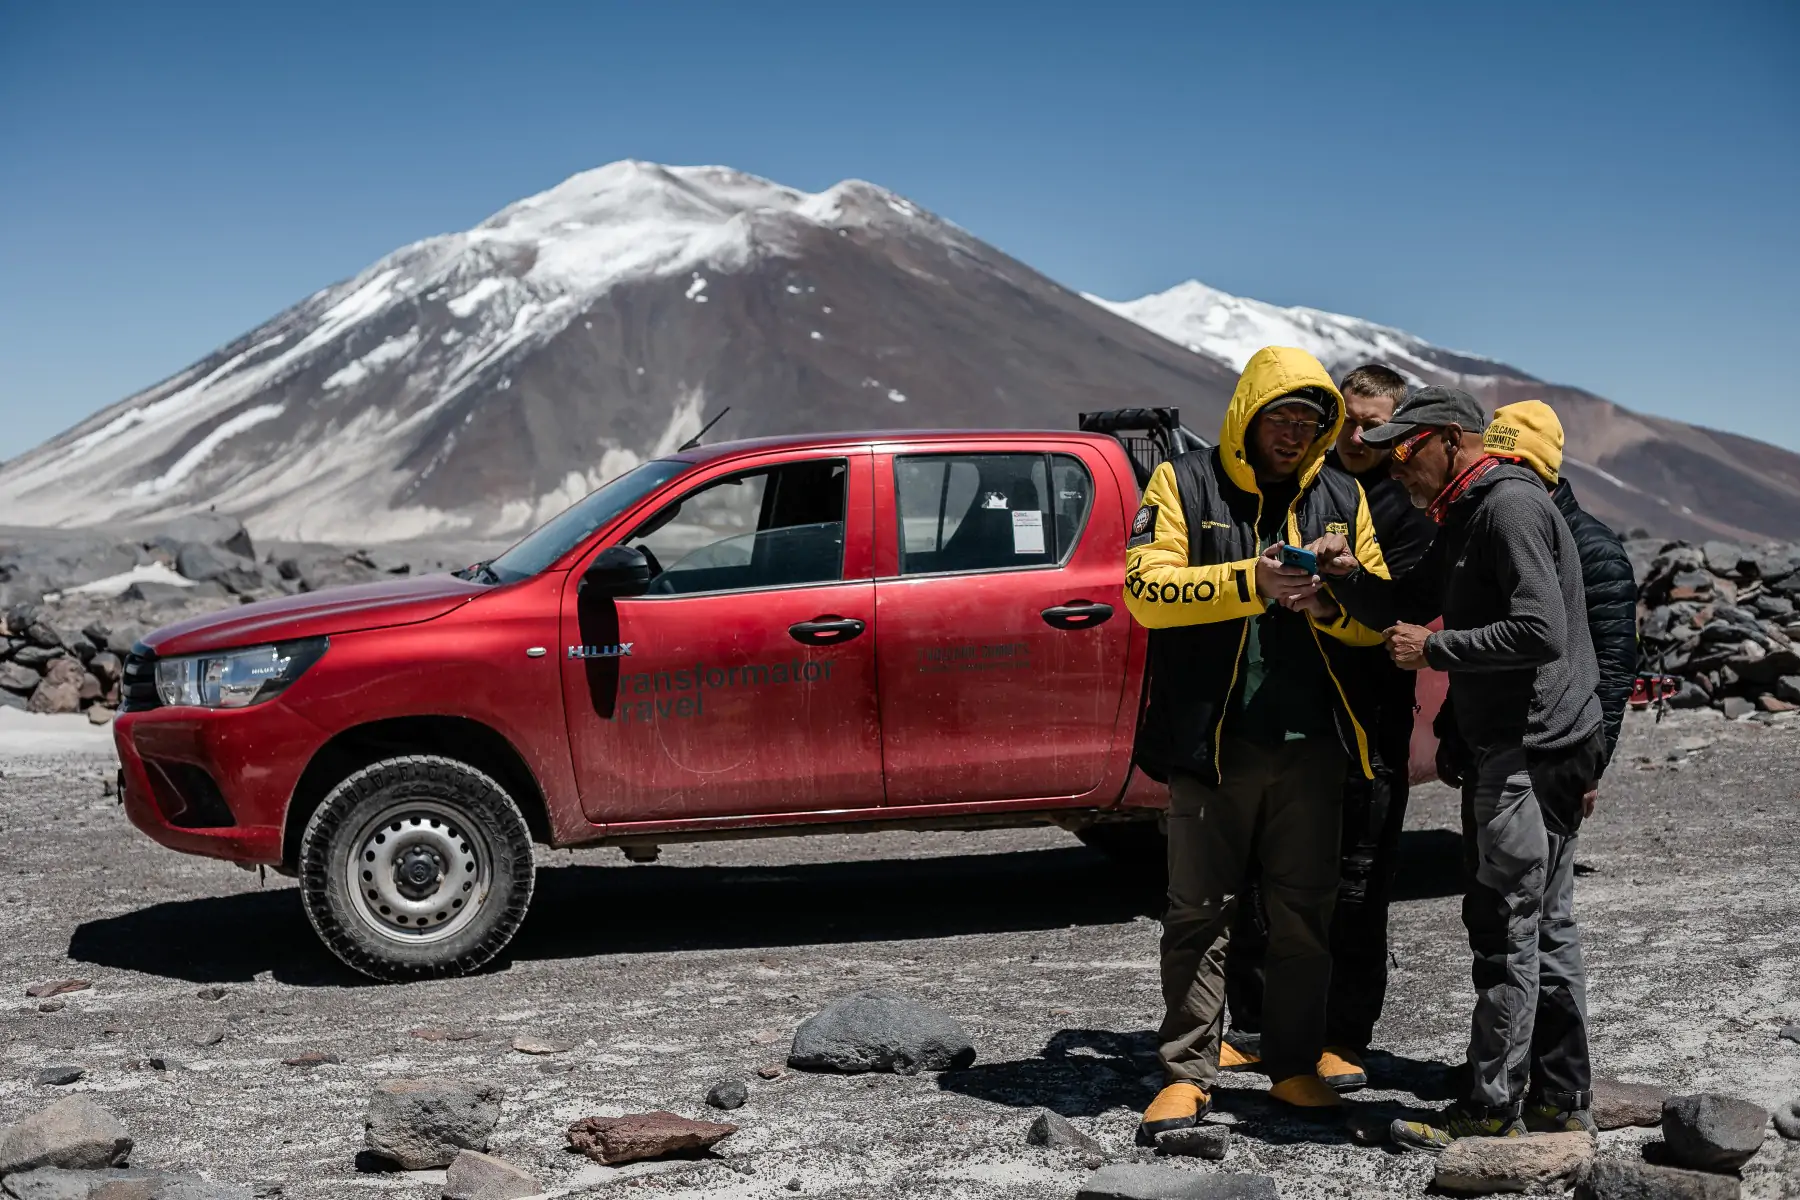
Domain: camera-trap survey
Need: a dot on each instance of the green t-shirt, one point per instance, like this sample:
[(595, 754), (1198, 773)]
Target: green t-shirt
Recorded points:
[(1283, 691)]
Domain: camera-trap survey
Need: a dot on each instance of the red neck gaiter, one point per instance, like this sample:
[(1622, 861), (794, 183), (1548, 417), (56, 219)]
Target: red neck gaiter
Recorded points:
[(1456, 488)]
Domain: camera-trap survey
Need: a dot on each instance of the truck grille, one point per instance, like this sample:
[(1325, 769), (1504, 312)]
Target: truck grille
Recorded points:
[(137, 683)]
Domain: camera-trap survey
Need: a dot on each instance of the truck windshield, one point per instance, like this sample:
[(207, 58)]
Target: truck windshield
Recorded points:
[(563, 532)]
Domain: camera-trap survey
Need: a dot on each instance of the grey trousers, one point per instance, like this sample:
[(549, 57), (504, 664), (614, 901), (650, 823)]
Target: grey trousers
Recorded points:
[(1279, 809), (1521, 814)]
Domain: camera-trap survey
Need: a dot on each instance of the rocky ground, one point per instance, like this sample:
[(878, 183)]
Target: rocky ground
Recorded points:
[(652, 982)]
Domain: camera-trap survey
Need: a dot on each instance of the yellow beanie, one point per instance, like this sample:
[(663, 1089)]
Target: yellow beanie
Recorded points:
[(1529, 432)]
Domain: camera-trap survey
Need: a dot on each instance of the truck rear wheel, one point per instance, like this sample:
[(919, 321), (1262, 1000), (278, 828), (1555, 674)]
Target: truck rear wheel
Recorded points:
[(1140, 847), (416, 867)]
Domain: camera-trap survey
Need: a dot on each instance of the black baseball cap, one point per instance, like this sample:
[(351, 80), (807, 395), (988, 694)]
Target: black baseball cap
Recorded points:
[(1428, 408), (1306, 397)]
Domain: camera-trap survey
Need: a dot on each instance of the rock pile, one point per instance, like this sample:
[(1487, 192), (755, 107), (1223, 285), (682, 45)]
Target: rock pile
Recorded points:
[(1725, 620), (155, 576), (44, 669)]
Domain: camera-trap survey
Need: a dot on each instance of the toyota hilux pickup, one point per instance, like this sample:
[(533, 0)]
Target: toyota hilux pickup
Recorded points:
[(779, 636)]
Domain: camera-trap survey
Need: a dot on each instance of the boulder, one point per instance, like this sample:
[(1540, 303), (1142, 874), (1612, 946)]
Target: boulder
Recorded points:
[(880, 1031), (638, 1136), (418, 1124), (1787, 1120), (96, 634), (205, 564), (56, 1183), (1711, 1132), (728, 1094), (55, 698), (15, 677), (36, 657), (124, 637), (106, 667), (1054, 1131), (1736, 707), (475, 1176), (74, 1132), (1617, 1104), (42, 633), (1617, 1179), (1770, 605), (60, 1076), (14, 700), (1480, 1166), (1200, 1141), (1788, 688), (1149, 1181), (100, 714), (208, 529), (1723, 558)]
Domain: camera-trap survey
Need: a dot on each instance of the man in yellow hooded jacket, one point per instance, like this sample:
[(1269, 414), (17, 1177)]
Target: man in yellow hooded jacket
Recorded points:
[(1261, 695)]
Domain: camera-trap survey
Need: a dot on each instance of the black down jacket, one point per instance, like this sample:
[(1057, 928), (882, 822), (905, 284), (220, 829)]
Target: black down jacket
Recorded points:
[(1611, 606)]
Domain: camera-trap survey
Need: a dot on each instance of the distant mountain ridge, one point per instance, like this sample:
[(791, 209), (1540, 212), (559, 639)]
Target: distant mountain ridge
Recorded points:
[(475, 383), (1631, 469)]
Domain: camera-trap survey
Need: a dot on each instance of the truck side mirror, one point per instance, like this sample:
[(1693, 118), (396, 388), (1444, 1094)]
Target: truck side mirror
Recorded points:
[(617, 571)]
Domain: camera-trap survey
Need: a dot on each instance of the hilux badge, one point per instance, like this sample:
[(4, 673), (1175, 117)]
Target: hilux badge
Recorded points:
[(622, 650)]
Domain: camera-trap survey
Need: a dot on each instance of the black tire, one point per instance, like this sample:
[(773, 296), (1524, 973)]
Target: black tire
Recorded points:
[(445, 865), (1138, 847)]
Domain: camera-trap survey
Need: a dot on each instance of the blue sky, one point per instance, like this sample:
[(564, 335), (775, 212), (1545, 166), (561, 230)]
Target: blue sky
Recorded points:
[(1603, 195)]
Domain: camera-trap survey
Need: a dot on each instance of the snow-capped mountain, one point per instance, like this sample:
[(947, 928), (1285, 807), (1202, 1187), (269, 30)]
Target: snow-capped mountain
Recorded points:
[(1630, 469), (473, 384), (1232, 328), (479, 382)]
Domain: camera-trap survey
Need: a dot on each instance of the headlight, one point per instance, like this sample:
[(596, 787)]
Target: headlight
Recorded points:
[(235, 678)]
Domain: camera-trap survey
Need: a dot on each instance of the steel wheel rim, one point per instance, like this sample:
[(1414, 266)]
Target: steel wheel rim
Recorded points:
[(415, 874)]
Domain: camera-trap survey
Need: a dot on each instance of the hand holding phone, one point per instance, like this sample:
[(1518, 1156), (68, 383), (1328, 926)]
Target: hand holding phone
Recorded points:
[(1304, 560)]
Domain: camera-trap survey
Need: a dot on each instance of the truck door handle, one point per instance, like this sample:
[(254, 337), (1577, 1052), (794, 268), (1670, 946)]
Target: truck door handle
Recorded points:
[(1077, 614), (825, 631)]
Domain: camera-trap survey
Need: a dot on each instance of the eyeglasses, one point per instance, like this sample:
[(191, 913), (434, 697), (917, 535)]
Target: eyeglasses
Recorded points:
[(1410, 446), (1295, 428)]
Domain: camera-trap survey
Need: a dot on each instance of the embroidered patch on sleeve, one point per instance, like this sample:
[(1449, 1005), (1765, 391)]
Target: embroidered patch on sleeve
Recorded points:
[(1143, 526)]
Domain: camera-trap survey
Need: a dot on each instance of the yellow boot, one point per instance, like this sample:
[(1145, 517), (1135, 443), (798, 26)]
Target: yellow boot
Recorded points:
[(1178, 1106), (1342, 1069), (1306, 1092), (1238, 1056)]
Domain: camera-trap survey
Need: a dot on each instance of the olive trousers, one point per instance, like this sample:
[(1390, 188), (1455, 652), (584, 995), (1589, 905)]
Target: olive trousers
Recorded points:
[(1275, 814)]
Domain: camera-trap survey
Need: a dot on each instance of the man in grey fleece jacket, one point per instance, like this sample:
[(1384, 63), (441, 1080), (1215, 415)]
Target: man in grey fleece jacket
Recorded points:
[(1504, 574)]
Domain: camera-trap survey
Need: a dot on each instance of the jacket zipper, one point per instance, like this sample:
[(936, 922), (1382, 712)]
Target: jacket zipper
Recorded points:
[(1237, 659), (1362, 739)]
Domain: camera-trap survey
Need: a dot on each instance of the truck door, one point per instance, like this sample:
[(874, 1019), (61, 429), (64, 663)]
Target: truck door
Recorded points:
[(743, 682), (1003, 647)]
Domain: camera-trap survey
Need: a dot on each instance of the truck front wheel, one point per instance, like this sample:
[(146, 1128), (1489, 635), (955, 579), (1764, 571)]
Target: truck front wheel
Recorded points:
[(416, 867)]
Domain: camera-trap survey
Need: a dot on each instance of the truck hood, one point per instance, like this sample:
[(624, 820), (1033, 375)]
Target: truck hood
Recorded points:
[(313, 614)]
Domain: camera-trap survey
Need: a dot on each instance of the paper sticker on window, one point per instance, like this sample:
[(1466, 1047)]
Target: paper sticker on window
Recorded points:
[(1028, 531)]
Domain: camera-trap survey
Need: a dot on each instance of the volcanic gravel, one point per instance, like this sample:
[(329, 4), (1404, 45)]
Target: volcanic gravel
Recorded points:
[(664, 979)]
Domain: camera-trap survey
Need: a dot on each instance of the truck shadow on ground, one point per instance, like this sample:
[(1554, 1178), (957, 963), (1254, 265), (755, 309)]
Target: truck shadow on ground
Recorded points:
[(582, 910), (1087, 1072)]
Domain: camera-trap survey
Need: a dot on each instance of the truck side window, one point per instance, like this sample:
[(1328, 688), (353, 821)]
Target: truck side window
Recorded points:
[(989, 512), (775, 527)]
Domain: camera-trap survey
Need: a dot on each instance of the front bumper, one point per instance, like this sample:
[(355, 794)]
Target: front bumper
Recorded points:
[(214, 782)]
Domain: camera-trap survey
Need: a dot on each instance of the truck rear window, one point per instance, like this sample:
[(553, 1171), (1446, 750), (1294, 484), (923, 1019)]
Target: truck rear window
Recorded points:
[(989, 512)]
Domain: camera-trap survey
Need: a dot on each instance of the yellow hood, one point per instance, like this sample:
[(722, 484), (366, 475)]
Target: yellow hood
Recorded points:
[(1272, 373)]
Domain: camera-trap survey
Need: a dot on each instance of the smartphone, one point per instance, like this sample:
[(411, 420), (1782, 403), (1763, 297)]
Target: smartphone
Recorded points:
[(1306, 560)]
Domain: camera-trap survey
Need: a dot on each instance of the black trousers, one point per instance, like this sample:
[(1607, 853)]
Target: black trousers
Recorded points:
[(1374, 814)]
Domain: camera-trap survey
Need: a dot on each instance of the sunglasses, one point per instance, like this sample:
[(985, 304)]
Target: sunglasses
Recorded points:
[(1410, 446)]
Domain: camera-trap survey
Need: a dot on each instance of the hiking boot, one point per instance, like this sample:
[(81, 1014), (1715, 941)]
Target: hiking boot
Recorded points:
[(1240, 1051), (1453, 1123), (1342, 1069), (1178, 1106), (1548, 1118), (1308, 1092)]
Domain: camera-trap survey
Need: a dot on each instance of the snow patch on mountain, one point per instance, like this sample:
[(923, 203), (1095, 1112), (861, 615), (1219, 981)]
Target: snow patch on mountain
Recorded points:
[(1232, 328), (433, 325)]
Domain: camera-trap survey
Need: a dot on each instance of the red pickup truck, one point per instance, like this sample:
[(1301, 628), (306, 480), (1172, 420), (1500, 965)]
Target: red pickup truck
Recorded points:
[(867, 631)]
